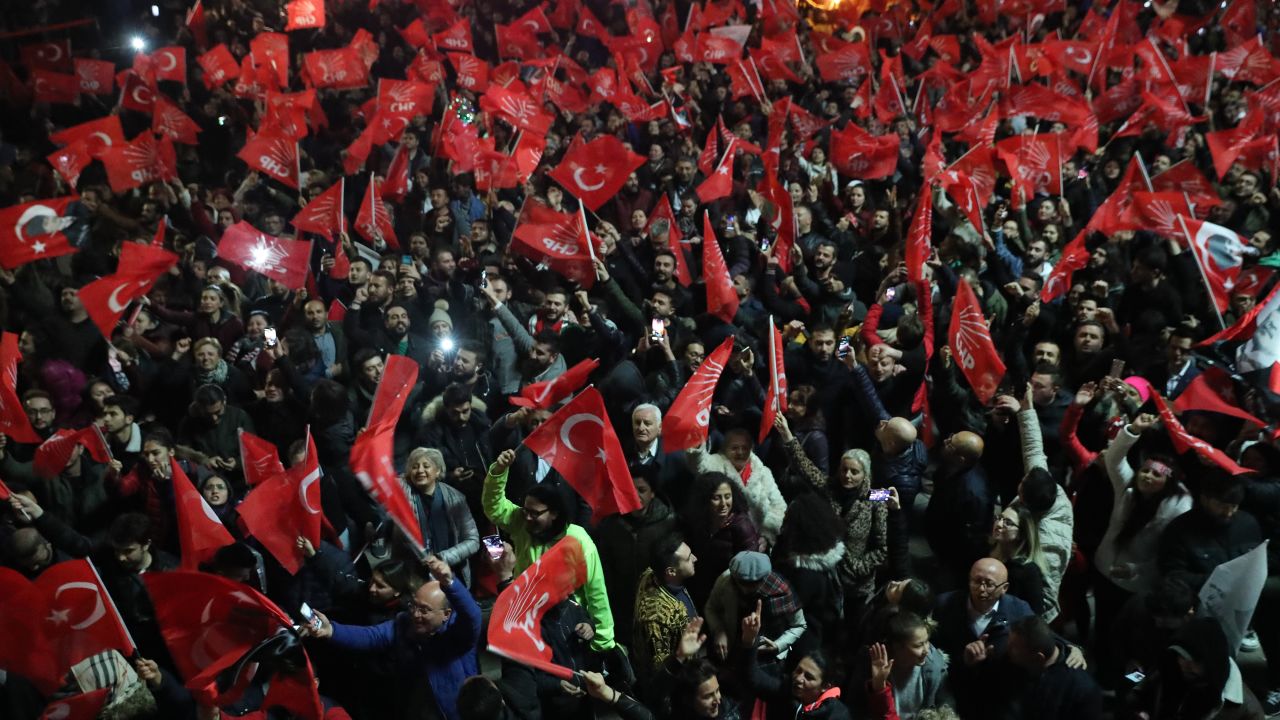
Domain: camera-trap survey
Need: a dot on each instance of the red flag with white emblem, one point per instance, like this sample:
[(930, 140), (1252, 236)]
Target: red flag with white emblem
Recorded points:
[(920, 236), (580, 443), (33, 231), (83, 620), (97, 134), (516, 107), (1183, 440), (200, 532), (398, 182), (1220, 254), (859, 154), (284, 507), (140, 161), (324, 214), (170, 64), (219, 66), (970, 341), (775, 396), (140, 267), (136, 93), (515, 624), (286, 261), (456, 38), (850, 62), (70, 161), (595, 171), (722, 297), (964, 193), (52, 456), (83, 706), (663, 213), (48, 55), (341, 69), (273, 154), (373, 221), (304, 14), (13, 419), (543, 395), (689, 418), (371, 454), (168, 120), (719, 184), (557, 240), (55, 87), (259, 458), (1075, 256), (97, 77), (473, 73)]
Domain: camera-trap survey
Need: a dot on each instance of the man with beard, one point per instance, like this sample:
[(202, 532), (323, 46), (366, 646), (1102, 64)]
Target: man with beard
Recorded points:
[(538, 524), (543, 361), (816, 363), (829, 288), (395, 338), (466, 369), (461, 433), (330, 341), (435, 637), (552, 314), (629, 199), (368, 305)]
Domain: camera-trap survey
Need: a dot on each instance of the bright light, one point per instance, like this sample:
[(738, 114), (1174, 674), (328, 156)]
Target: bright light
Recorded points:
[(258, 256), (137, 43), (155, 11), (446, 344)]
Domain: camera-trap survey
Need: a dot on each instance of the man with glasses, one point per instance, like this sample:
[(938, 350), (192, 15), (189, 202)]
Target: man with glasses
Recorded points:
[(536, 526), (435, 637)]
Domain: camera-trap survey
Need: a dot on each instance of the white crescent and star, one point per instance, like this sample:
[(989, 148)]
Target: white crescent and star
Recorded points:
[(302, 491), (29, 215), (173, 60), (147, 100), (99, 609), (569, 424), (577, 178)]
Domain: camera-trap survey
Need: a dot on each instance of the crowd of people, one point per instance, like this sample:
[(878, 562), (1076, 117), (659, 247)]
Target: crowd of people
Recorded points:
[(901, 539)]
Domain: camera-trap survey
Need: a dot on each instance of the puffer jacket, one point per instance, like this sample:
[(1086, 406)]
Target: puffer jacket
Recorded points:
[(767, 507), (1056, 526)]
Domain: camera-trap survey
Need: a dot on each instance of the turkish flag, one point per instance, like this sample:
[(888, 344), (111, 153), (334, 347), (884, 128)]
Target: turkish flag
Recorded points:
[(13, 419), (597, 170), (1220, 253), (689, 418), (398, 182), (544, 395), (324, 214), (52, 456), (515, 624), (373, 221), (304, 14), (219, 66), (286, 261), (456, 38), (920, 236), (516, 107), (82, 620), (140, 267), (259, 458), (589, 25), (141, 161), (97, 77), (850, 62), (274, 155), (1214, 391), (55, 87), (208, 621), (1075, 256), (1183, 440), (168, 120), (284, 507), (371, 454), (83, 706), (579, 442), (860, 154), (1075, 55), (26, 651), (664, 214), (200, 532), (136, 93), (171, 64), (557, 240), (775, 396), (719, 184), (51, 55), (964, 193), (341, 69), (33, 231), (472, 72), (722, 297), (970, 341)]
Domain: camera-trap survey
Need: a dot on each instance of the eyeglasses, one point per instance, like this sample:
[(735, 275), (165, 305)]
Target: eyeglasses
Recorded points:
[(535, 514), (420, 610), (987, 585), (40, 411)]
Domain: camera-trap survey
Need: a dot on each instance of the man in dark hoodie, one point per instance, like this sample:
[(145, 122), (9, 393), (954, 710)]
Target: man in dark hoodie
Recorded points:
[(1211, 533), (1050, 689), (1197, 679)]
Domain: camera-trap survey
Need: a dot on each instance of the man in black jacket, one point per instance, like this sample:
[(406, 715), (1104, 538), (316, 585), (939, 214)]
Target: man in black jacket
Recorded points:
[(1047, 689), (1212, 532)]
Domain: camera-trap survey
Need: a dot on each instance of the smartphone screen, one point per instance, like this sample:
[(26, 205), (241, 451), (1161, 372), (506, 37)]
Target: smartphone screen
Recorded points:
[(493, 545), (842, 351), (309, 615), (406, 259), (1117, 368), (657, 329), (269, 337), (880, 495)]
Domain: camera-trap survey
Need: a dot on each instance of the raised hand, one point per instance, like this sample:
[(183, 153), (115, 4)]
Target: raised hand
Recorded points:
[(691, 640), (881, 666)]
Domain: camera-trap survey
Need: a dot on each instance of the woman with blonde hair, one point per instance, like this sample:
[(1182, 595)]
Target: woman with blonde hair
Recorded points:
[(448, 530), (1015, 541)]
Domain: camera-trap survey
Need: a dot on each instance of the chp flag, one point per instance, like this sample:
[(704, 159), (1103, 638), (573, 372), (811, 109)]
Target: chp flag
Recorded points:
[(515, 625), (371, 453), (283, 260), (689, 418)]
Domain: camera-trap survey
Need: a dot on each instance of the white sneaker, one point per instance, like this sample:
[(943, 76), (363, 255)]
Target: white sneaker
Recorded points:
[(1250, 643)]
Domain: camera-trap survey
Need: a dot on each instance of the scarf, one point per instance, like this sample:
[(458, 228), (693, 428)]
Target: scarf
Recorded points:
[(828, 695), (216, 376)]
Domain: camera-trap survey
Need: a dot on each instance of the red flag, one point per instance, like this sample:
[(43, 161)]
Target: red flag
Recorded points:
[(219, 66), (82, 620), (373, 221), (456, 38), (52, 456), (589, 26), (1220, 254), (515, 625), (544, 395), (259, 459), (33, 231), (200, 532), (398, 182), (850, 62), (138, 162), (558, 240), (689, 418), (971, 344), (97, 134), (196, 23), (371, 454), (340, 69), (323, 215), (1034, 162), (337, 311), (285, 507), (4, 491), (13, 419), (579, 442), (1075, 256), (297, 693), (405, 98), (716, 49), (208, 621), (862, 155), (274, 155), (516, 42), (281, 259), (55, 87), (170, 64), (744, 79), (168, 120), (270, 51), (1183, 440), (1158, 212), (597, 170), (516, 107), (304, 14), (83, 706), (964, 193), (473, 73), (24, 610), (136, 93), (719, 184), (1213, 391), (664, 213), (920, 236), (1240, 21), (784, 220), (47, 55), (722, 297), (775, 397)]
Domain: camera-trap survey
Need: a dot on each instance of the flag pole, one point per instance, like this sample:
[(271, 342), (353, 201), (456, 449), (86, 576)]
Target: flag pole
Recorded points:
[(1203, 275), (586, 231), (133, 646)]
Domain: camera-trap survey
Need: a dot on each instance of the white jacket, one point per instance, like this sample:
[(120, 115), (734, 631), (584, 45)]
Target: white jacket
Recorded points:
[(1056, 536), (1138, 556), (765, 504)]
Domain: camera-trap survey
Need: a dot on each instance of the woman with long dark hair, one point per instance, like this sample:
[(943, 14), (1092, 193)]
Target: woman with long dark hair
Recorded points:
[(809, 552), (717, 526)]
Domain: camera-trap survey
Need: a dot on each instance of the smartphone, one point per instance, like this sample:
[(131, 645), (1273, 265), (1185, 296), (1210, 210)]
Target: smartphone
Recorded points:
[(269, 337), (493, 544), (891, 293), (406, 259), (446, 345), (113, 359), (657, 329), (310, 616), (879, 495), (1117, 368), (764, 244), (1135, 677), (843, 349), (484, 280)]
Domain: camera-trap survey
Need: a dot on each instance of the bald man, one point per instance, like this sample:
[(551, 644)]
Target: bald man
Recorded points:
[(961, 508), (973, 629)]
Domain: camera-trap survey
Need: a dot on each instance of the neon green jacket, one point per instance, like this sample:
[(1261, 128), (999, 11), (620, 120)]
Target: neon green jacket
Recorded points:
[(510, 517)]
